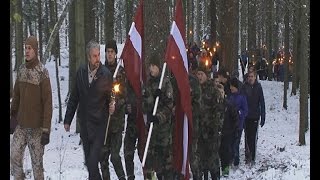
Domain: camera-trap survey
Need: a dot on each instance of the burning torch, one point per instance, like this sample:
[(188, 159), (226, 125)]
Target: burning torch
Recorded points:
[(114, 92)]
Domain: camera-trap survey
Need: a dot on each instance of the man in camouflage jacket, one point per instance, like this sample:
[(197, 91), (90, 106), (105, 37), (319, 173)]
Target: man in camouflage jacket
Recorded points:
[(211, 120), (116, 124), (159, 158)]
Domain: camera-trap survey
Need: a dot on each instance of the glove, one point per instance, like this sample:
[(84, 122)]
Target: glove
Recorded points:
[(153, 119), (45, 138), (157, 93), (262, 122)]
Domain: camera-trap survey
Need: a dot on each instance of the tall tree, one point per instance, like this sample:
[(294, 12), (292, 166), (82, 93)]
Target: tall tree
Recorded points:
[(269, 21), (243, 24), (252, 30), (80, 54), (40, 27), (156, 29), (296, 47), (11, 30), (129, 14), (229, 33), (109, 20), (304, 72), (89, 20), (189, 20), (72, 49), (18, 21), (276, 25), (286, 58), (213, 22)]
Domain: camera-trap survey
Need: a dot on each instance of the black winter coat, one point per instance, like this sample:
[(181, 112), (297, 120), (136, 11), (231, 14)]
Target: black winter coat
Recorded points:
[(93, 99)]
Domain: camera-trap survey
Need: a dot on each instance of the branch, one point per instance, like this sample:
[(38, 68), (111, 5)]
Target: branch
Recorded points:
[(55, 31)]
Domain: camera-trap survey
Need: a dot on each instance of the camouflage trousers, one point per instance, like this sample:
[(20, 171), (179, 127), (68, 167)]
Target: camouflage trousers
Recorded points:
[(194, 159), (21, 138), (159, 157), (112, 149), (209, 162)]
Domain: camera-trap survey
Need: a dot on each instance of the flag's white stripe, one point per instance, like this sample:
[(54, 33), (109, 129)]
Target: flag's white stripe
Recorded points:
[(185, 144), (136, 41), (135, 38), (175, 32)]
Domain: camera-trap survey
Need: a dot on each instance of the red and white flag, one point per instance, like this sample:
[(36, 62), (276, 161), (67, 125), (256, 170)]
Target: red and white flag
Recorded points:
[(176, 59), (133, 65)]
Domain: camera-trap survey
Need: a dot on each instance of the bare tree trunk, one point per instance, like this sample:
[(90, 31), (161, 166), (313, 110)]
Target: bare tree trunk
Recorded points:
[(40, 28), (109, 20), (286, 59), (11, 39), (55, 30), (304, 74), (213, 22), (89, 19), (252, 46), (46, 23), (197, 22), (269, 38), (72, 44), (189, 21), (228, 34), (296, 30), (129, 14), (156, 29), (57, 41), (276, 26), (59, 93), (18, 20), (243, 24), (80, 54)]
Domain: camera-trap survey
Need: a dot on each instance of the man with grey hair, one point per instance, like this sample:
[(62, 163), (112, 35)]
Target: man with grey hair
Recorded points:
[(91, 94)]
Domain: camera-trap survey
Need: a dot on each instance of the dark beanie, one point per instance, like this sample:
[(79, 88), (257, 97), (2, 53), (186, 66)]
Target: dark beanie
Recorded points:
[(33, 42), (112, 44), (155, 59), (234, 82)]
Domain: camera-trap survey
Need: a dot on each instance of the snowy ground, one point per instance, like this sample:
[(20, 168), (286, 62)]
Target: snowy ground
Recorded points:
[(278, 155)]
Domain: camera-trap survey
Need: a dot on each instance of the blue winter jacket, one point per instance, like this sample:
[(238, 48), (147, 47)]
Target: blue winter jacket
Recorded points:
[(240, 101)]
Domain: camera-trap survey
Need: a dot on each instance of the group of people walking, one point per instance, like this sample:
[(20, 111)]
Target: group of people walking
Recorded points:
[(222, 107)]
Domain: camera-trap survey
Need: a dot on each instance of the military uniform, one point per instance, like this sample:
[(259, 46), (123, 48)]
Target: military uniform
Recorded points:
[(211, 121), (196, 103), (116, 126), (159, 158)]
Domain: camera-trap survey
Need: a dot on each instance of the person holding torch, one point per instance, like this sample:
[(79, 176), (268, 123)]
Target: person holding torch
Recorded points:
[(160, 148), (115, 125), (91, 95)]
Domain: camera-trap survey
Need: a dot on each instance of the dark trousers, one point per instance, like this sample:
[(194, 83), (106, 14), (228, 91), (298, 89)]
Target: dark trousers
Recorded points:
[(235, 146), (92, 145), (226, 150), (130, 140), (251, 138)]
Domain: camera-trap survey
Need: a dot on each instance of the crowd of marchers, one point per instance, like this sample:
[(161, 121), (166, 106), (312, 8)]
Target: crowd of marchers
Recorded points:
[(223, 107)]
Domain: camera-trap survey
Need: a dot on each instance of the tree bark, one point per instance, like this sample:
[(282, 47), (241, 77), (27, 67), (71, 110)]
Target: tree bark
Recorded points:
[(156, 29), (286, 59), (252, 30), (304, 75), (40, 28), (18, 20), (109, 20), (269, 38)]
